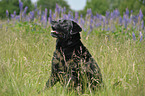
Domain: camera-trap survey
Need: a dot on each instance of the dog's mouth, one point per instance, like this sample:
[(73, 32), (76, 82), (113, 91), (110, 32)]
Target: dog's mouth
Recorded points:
[(56, 34)]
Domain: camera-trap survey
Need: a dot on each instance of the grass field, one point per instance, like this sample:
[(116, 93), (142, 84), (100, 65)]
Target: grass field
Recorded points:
[(25, 62)]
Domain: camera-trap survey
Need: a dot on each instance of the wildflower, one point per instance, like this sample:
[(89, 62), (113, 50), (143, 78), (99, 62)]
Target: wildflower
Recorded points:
[(140, 15), (117, 13), (112, 15), (76, 16), (17, 18), (12, 16), (57, 10), (64, 9), (141, 36), (25, 10), (69, 15), (20, 5), (127, 12), (133, 35), (97, 15), (7, 13), (32, 15), (89, 11), (45, 14), (50, 15), (104, 19), (125, 21), (35, 7), (131, 11), (107, 14), (14, 13)]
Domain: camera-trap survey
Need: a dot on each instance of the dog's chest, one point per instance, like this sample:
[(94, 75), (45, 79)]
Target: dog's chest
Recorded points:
[(68, 59)]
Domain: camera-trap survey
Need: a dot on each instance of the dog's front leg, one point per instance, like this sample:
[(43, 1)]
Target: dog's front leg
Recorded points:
[(51, 81), (54, 74)]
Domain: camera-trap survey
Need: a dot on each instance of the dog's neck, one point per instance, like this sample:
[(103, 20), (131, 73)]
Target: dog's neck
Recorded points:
[(70, 42), (68, 46)]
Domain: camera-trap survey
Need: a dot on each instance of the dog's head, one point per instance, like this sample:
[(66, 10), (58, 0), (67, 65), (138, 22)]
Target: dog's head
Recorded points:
[(63, 29)]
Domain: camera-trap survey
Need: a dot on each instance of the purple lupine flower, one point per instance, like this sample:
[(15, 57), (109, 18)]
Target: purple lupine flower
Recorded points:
[(92, 16), (64, 16), (104, 19), (45, 14), (89, 11), (17, 18), (57, 10), (20, 5), (91, 26), (125, 21), (7, 13), (97, 15), (42, 16), (107, 14), (24, 13), (72, 18), (97, 24), (82, 21), (69, 15), (81, 15), (112, 15), (12, 16), (131, 11), (38, 13), (117, 13), (76, 16), (140, 15), (135, 19), (14, 13), (50, 15), (141, 36), (64, 9), (35, 7), (100, 17), (54, 16), (32, 15), (108, 29), (127, 12), (133, 35)]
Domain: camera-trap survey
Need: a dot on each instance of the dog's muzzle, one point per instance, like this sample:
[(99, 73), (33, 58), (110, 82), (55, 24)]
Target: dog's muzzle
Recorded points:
[(57, 34)]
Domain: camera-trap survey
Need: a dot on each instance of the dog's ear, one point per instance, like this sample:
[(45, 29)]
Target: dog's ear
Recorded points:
[(76, 28)]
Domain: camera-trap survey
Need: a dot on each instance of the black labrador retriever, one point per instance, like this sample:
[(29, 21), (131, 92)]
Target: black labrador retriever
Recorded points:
[(72, 64)]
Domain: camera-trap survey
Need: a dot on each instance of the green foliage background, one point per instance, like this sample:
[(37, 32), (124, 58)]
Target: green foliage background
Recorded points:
[(99, 6), (13, 5), (51, 4)]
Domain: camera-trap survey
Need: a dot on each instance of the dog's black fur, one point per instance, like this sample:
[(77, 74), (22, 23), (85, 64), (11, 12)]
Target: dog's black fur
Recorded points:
[(72, 64)]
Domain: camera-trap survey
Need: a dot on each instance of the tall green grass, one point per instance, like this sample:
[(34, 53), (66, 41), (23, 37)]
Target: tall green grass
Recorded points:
[(25, 62)]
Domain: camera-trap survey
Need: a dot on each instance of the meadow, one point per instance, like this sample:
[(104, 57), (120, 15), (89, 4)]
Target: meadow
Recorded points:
[(26, 49)]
